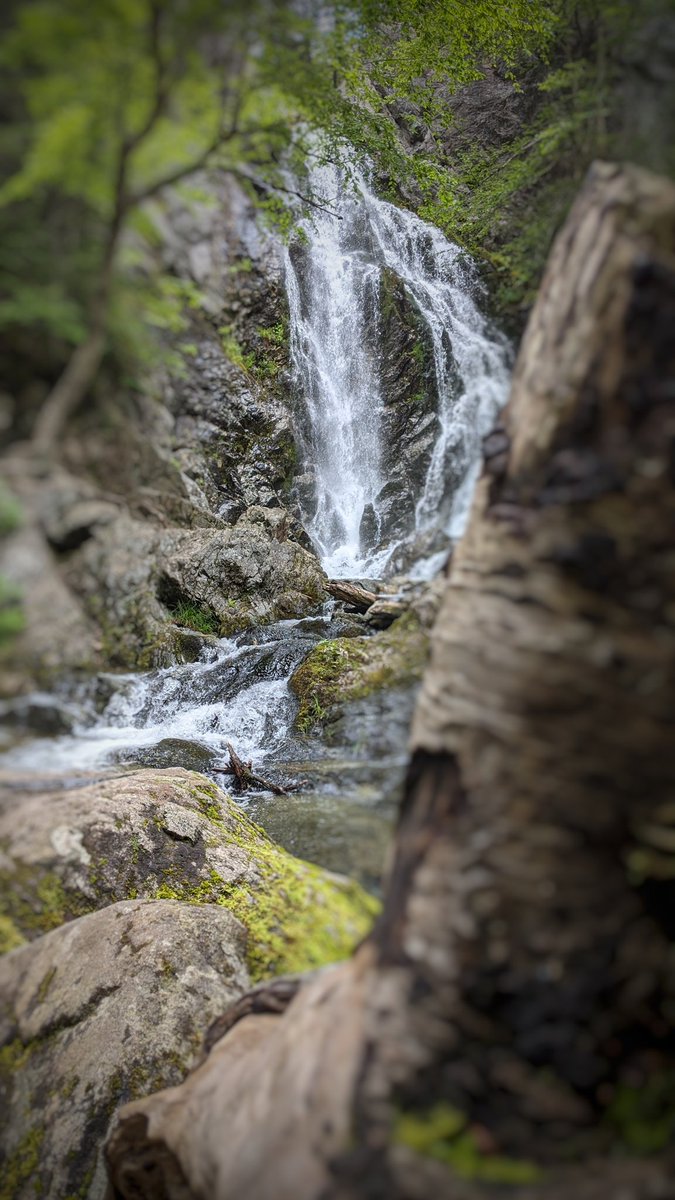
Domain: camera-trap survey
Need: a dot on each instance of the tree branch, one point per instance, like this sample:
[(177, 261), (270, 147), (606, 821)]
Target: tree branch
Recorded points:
[(197, 163), (263, 186), (161, 87)]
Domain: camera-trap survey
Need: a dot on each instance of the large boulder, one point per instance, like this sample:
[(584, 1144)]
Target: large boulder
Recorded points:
[(169, 834), (137, 579), (101, 1011), (58, 630), (247, 574)]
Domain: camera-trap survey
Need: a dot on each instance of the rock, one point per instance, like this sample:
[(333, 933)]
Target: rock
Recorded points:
[(59, 634), (170, 752), (68, 526), (39, 713), (133, 576), (101, 1011), (410, 422), (244, 575), (384, 612), (215, 441), (170, 834), (190, 645), (341, 670)]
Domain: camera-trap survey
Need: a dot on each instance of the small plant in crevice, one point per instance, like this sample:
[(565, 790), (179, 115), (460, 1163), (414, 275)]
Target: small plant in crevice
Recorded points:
[(192, 616), (276, 334)]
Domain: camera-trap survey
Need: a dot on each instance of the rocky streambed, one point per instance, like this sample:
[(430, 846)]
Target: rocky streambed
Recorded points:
[(139, 900), (321, 705)]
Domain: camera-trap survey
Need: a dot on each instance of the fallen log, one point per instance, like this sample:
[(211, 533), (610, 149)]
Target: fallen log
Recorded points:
[(245, 776), (351, 593)]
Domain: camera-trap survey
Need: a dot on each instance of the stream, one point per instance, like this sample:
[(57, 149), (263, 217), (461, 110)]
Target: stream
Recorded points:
[(238, 690)]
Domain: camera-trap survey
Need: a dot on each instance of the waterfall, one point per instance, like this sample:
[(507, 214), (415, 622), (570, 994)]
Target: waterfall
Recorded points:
[(333, 280)]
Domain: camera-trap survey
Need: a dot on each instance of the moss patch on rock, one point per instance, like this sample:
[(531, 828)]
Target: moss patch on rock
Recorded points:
[(10, 936), (346, 669), (22, 1165), (302, 918), (174, 835), (34, 901)]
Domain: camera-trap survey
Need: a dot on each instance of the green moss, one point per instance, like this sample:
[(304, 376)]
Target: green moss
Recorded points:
[(69, 1086), (83, 1190), (34, 901), (13, 1056), (297, 916), (349, 668), (441, 1133), (644, 1117), (22, 1165), (10, 936), (45, 984)]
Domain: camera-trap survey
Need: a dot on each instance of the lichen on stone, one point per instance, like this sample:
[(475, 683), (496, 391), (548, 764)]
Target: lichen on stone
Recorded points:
[(10, 936), (22, 1165), (298, 916)]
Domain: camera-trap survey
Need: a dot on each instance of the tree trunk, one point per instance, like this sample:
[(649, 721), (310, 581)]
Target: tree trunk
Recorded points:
[(509, 1019), (70, 390)]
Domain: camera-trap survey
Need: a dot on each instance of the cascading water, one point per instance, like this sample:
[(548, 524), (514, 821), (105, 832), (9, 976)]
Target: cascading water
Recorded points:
[(333, 286)]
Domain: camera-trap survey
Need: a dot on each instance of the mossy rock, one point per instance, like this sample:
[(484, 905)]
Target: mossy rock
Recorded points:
[(345, 669), (172, 834), (101, 1011)]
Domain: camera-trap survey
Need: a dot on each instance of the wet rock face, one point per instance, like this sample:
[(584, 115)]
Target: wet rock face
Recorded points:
[(213, 443), (103, 1010), (410, 423)]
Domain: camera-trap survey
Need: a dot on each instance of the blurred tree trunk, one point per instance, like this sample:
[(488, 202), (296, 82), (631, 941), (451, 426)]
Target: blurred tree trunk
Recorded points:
[(510, 1018)]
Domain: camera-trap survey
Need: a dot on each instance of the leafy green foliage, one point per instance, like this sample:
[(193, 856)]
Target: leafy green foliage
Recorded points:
[(244, 360), (644, 1117), (504, 202), (11, 615), (106, 104), (442, 1133)]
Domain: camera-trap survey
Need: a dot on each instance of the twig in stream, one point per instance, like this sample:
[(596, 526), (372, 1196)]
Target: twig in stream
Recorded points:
[(245, 776)]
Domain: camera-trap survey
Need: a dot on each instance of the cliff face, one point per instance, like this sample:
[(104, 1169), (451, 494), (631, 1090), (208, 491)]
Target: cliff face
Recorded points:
[(512, 148), (176, 500)]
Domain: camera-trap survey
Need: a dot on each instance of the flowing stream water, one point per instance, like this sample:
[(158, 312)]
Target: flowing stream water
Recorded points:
[(238, 689)]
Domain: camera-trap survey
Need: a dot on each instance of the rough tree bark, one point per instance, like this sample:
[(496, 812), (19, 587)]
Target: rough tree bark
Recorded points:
[(516, 997)]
